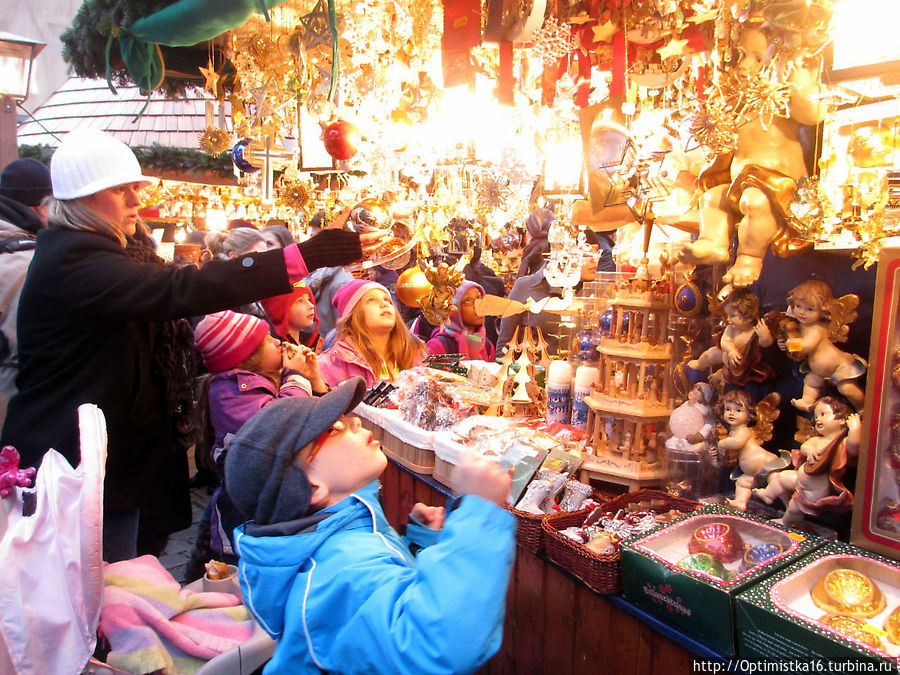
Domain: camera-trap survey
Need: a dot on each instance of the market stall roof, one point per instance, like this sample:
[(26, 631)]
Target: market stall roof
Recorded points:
[(82, 103)]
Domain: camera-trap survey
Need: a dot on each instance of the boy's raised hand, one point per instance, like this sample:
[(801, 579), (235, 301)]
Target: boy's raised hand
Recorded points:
[(431, 517), (475, 475)]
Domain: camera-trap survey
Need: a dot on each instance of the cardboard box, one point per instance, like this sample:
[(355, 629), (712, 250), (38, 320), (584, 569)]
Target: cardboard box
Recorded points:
[(876, 511), (695, 601), (777, 618)]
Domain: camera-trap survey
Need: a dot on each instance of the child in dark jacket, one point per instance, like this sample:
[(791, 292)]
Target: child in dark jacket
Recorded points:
[(326, 576)]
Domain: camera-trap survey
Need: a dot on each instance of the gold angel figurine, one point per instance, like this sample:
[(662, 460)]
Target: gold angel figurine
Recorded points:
[(437, 304), (824, 320), (749, 425)]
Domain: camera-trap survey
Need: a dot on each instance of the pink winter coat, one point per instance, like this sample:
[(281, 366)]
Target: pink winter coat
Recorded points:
[(342, 361)]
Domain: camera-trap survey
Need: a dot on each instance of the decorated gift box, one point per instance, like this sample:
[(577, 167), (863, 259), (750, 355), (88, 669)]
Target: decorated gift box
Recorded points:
[(688, 572), (876, 512), (839, 602)]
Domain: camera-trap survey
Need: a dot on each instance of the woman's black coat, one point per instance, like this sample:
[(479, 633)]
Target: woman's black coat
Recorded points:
[(88, 319)]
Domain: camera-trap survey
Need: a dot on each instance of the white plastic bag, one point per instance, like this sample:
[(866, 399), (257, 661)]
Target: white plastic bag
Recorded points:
[(51, 576)]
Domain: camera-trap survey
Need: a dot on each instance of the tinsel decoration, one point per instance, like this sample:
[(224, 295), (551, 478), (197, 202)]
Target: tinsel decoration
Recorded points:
[(294, 194), (552, 41), (492, 191), (713, 126), (807, 210), (215, 141), (261, 48)]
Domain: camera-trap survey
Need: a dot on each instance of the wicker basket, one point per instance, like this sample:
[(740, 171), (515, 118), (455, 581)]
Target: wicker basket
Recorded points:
[(600, 572), (529, 533)]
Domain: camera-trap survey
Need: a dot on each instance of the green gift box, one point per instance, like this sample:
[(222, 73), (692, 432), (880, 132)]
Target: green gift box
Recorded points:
[(777, 617), (688, 573)]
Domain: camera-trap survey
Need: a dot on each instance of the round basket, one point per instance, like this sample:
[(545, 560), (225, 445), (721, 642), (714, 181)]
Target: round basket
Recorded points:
[(599, 571)]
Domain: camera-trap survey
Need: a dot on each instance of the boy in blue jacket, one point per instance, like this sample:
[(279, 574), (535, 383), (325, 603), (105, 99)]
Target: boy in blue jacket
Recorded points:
[(326, 576)]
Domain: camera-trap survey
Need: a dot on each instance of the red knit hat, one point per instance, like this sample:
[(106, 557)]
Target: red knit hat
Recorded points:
[(278, 309), (226, 338)]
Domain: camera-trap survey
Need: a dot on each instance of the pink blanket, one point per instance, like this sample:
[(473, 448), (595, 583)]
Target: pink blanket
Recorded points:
[(152, 624)]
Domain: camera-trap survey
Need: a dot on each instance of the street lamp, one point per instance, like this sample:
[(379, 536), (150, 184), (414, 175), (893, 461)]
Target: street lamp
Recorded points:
[(16, 60)]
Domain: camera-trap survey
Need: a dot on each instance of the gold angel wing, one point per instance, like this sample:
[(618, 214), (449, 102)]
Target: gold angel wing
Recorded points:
[(805, 430), (715, 306), (766, 413), (843, 313)]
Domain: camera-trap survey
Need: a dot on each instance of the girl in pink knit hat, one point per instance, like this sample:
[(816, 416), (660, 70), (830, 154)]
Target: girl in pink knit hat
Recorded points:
[(372, 340)]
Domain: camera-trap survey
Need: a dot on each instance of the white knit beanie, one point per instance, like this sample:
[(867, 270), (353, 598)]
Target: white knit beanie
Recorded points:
[(90, 160)]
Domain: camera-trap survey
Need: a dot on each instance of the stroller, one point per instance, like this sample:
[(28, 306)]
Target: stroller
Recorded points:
[(51, 571)]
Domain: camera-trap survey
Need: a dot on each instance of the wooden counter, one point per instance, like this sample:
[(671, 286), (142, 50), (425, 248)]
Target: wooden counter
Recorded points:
[(554, 623)]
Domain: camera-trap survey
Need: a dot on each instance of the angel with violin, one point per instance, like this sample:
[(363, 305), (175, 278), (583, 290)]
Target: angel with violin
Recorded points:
[(816, 482)]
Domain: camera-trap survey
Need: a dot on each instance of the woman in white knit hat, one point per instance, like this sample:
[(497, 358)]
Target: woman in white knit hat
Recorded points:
[(99, 322)]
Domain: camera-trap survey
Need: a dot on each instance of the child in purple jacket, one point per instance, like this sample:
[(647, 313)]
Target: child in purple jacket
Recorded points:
[(249, 369)]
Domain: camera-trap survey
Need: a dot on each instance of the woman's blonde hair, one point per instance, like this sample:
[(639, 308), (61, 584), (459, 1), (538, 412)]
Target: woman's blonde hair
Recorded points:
[(235, 242), (74, 214), (402, 350)]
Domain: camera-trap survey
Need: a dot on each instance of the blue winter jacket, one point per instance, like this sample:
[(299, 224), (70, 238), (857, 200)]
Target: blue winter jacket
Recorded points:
[(343, 594)]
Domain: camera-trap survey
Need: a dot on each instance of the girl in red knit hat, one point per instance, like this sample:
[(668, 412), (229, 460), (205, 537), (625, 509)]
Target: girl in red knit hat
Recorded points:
[(294, 317)]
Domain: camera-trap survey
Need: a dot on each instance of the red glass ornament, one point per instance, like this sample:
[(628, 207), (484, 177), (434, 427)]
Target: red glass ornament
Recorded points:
[(341, 139)]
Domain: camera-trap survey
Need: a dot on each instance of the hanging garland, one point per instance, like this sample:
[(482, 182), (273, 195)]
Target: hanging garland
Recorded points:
[(158, 157)]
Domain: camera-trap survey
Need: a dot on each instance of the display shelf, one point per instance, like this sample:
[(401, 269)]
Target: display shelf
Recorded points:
[(554, 623)]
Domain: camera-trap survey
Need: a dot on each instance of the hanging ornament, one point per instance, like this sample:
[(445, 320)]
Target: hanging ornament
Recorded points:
[(552, 41), (807, 211), (492, 191), (370, 214), (262, 49), (713, 126), (294, 194), (412, 286), (341, 139), (237, 156), (215, 141)]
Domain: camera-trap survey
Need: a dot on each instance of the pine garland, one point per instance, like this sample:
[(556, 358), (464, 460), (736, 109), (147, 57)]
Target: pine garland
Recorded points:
[(158, 157), (84, 45)]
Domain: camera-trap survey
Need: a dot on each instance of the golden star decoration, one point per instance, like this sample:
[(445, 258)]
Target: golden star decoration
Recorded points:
[(212, 79), (672, 48), (604, 32)]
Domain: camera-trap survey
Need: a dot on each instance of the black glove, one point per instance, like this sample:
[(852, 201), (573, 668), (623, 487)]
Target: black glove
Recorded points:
[(331, 248)]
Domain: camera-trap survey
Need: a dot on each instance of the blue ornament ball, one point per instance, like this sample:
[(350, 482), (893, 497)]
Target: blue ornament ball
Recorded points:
[(605, 321), (689, 299)]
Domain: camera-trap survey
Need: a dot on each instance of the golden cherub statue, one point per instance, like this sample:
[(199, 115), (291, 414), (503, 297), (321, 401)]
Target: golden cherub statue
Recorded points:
[(769, 96)]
